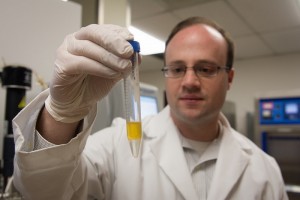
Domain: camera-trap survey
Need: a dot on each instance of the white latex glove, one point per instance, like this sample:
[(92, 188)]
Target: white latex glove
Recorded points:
[(88, 64)]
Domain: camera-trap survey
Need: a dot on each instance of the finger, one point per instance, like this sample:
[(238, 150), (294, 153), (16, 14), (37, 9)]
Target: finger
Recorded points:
[(111, 37), (72, 64), (95, 52)]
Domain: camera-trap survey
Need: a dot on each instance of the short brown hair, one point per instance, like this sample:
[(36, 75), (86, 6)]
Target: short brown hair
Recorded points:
[(202, 20)]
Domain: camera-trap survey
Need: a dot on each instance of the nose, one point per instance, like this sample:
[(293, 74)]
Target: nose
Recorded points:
[(190, 78)]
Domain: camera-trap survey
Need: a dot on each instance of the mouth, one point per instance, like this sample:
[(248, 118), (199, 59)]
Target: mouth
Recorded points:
[(191, 98)]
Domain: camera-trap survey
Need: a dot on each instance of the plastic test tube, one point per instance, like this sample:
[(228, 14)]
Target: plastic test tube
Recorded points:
[(132, 103)]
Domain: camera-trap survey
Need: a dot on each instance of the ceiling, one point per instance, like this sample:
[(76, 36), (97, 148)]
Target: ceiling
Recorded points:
[(259, 27)]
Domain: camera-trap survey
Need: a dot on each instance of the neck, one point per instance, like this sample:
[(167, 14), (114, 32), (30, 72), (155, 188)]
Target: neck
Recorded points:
[(206, 131)]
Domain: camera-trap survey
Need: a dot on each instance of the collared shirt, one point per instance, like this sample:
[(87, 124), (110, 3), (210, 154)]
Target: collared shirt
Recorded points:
[(201, 159)]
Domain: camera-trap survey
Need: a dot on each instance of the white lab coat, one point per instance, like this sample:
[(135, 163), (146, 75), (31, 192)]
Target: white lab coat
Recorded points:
[(105, 168)]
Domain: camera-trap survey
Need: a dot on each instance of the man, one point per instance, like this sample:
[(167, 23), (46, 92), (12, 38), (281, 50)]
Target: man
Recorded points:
[(189, 150)]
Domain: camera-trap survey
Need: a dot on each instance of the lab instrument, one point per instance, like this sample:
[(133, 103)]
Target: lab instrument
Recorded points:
[(277, 127), (16, 80)]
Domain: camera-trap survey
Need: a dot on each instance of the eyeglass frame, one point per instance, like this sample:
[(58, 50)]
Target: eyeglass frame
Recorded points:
[(218, 68)]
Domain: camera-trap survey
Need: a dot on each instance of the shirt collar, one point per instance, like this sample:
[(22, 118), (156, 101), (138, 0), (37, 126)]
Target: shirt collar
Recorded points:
[(205, 150)]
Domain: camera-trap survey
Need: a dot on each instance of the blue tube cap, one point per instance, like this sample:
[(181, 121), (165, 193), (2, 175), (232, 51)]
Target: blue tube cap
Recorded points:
[(135, 45)]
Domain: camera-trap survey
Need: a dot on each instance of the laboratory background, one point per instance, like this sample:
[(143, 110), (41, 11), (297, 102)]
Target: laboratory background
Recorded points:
[(263, 103)]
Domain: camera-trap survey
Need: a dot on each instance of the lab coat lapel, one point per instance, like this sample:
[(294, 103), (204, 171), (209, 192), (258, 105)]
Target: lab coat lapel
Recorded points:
[(167, 149), (232, 161)]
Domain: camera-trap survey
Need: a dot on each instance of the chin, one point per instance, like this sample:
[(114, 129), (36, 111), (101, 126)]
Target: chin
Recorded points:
[(189, 116)]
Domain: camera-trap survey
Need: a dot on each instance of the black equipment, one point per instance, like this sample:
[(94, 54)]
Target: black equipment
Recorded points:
[(16, 80)]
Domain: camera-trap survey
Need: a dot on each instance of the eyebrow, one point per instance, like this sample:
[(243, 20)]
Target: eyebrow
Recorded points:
[(177, 62)]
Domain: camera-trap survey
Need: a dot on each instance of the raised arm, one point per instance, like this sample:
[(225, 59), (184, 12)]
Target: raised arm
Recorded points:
[(88, 64)]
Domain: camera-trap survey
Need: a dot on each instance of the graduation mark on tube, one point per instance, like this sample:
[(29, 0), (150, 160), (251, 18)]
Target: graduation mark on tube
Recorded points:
[(132, 103)]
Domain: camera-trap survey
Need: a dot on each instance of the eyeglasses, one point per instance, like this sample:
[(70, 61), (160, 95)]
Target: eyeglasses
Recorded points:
[(201, 70)]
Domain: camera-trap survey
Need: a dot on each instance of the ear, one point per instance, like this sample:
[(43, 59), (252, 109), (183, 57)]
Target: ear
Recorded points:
[(230, 77)]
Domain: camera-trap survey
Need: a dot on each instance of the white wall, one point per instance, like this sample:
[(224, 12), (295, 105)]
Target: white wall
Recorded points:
[(252, 77), (31, 31)]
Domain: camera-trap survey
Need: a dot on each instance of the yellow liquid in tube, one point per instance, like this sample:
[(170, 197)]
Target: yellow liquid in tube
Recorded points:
[(134, 130)]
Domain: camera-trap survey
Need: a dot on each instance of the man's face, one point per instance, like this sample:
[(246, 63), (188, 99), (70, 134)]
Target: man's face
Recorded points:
[(194, 99)]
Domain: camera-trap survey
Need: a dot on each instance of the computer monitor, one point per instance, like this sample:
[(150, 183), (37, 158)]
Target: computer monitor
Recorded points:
[(149, 100)]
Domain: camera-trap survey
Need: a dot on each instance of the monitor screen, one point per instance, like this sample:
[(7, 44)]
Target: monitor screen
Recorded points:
[(291, 111), (291, 108), (280, 111), (149, 106)]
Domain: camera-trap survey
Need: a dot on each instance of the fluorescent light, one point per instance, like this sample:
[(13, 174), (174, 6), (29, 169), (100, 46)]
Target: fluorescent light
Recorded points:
[(149, 44)]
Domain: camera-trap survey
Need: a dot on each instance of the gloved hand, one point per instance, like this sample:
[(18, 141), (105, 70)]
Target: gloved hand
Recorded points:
[(88, 64)]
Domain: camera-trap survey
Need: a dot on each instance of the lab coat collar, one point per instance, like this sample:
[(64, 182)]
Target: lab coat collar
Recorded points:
[(232, 161), (167, 149)]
